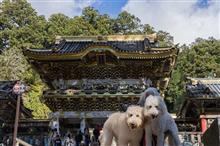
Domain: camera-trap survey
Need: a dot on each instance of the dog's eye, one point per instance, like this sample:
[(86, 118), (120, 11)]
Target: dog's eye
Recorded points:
[(156, 106), (130, 115), (137, 116), (150, 106)]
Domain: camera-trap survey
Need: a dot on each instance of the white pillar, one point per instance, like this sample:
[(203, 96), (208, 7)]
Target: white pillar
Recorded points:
[(58, 125), (83, 124)]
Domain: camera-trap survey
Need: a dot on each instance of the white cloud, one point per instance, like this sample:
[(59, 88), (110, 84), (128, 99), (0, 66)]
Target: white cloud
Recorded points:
[(67, 7), (185, 20)]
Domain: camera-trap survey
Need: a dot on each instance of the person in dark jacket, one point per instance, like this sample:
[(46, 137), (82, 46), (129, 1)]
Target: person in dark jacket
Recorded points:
[(57, 141), (78, 138), (96, 133)]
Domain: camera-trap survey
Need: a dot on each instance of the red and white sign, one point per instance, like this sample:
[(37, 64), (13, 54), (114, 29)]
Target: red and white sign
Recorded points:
[(19, 88)]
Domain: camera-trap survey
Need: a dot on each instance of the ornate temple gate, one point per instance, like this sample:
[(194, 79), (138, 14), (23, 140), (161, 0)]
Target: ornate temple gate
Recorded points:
[(96, 74)]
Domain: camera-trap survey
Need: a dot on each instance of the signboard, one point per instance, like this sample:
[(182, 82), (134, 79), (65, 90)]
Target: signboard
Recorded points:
[(19, 88)]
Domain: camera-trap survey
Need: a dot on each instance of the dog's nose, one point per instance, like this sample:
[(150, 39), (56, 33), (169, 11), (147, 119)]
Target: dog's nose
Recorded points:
[(133, 125), (154, 116)]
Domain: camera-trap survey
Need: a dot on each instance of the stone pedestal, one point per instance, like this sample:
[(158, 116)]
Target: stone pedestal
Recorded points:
[(212, 135)]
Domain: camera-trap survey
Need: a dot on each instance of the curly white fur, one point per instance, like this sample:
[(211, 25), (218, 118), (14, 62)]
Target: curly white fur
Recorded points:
[(161, 122), (126, 128)]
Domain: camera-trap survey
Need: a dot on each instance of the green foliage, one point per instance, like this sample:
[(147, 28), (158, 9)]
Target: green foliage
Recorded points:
[(90, 15), (32, 101), (21, 26), (164, 39), (79, 26), (13, 64), (147, 29), (127, 23)]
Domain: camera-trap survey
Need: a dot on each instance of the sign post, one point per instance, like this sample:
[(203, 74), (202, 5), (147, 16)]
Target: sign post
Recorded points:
[(18, 89)]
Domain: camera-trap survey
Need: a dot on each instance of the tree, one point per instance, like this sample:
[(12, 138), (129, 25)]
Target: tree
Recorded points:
[(147, 29), (13, 64), (21, 28), (102, 24), (105, 25), (32, 101), (58, 24), (79, 26), (164, 39), (127, 23), (90, 15)]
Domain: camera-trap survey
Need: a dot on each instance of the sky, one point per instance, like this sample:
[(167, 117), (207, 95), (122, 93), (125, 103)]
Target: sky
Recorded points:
[(186, 20)]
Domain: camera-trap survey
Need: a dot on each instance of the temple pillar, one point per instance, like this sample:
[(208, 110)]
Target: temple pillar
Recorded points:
[(203, 123), (83, 123)]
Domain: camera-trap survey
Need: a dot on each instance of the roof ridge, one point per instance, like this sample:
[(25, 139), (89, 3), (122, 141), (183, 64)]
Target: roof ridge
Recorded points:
[(152, 38)]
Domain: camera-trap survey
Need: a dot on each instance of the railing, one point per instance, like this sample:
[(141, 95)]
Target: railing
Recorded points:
[(191, 138), (21, 142)]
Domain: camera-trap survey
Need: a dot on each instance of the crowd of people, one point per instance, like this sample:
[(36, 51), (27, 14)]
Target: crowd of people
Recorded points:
[(79, 139)]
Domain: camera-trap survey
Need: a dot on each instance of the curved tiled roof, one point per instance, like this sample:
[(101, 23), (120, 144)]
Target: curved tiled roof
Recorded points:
[(121, 46), (123, 49), (65, 47), (204, 88), (127, 44)]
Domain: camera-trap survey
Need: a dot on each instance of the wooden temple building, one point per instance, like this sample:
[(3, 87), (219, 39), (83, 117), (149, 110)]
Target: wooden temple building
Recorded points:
[(91, 77), (200, 106), (202, 100)]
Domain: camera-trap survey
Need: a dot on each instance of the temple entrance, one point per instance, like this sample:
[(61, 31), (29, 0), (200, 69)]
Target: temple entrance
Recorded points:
[(73, 122)]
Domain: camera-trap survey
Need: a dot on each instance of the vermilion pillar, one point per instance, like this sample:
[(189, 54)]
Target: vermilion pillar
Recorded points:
[(203, 123)]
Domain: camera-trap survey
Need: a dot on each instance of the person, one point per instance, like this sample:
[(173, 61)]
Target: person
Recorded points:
[(57, 141), (96, 133), (87, 136), (6, 141), (53, 137), (69, 141), (82, 144), (78, 138)]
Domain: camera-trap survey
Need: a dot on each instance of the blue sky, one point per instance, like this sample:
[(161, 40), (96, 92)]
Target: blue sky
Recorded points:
[(184, 19), (111, 7)]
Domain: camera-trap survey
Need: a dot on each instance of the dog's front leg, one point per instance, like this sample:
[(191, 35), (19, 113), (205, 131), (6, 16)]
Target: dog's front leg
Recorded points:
[(160, 139), (134, 143), (106, 138), (148, 135), (174, 136), (122, 143)]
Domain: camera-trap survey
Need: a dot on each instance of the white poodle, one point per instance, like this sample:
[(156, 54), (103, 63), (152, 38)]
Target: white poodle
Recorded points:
[(126, 128), (160, 124)]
